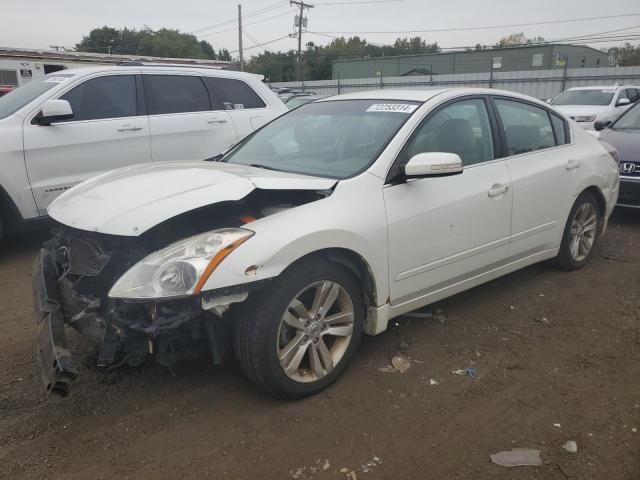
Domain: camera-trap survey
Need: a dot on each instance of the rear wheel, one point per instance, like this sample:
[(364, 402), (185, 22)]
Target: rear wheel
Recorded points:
[(580, 233), (296, 336)]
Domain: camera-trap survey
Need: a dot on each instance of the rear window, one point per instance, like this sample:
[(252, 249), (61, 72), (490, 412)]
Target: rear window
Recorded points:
[(526, 128), (167, 94), (233, 94)]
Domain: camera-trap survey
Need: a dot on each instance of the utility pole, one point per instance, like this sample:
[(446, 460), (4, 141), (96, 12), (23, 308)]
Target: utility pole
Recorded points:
[(302, 21), (240, 37)]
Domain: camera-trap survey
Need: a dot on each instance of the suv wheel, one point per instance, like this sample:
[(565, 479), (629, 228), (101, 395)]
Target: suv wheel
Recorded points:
[(580, 233), (296, 336)]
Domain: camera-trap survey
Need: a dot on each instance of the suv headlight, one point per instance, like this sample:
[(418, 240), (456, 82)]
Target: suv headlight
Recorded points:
[(180, 269), (586, 118)]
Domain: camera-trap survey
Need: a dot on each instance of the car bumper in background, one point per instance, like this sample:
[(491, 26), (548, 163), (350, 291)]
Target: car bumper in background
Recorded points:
[(629, 192)]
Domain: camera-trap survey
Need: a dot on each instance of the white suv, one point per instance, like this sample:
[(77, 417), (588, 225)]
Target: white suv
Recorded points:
[(72, 125), (587, 105)]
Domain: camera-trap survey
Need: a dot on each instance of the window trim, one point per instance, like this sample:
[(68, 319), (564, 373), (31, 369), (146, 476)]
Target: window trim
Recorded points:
[(212, 93), (568, 137), (165, 74), (82, 80), (400, 159)]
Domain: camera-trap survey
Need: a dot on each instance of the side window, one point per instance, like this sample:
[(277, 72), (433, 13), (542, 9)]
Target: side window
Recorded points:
[(632, 93), (167, 94), (113, 96), (526, 128), (622, 94), (233, 94), (462, 127), (559, 129)]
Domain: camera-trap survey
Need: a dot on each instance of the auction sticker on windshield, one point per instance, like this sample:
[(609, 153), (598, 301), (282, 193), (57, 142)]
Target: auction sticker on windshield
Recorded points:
[(392, 107)]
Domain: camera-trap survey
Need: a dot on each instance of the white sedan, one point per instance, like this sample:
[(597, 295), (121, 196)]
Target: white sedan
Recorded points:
[(323, 225)]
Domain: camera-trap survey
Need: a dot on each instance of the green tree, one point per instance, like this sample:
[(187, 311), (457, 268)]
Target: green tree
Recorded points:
[(626, 55), (158, 43), (518, 39)]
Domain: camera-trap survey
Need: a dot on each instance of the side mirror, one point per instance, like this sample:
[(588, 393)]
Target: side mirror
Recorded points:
[(549, 101), (433, 164), (54, 111), (623, 102), (601, 124)]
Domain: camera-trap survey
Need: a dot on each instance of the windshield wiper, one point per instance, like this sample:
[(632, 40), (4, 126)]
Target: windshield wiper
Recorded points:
[(256, 165)]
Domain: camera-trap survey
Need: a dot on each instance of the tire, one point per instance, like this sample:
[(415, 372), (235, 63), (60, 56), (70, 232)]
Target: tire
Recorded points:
[(263, 339), (581, 233)]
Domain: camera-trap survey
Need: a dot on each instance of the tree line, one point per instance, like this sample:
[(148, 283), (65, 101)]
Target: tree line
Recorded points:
[(282, 66)]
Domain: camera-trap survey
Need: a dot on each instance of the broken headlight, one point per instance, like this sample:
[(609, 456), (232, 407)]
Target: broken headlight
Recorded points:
[(180, 269)]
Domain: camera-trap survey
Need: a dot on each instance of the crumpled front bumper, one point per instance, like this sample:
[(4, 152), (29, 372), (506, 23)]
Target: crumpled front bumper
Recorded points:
[(55, 360)]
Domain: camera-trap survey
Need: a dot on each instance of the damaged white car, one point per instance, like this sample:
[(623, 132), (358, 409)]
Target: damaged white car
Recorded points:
[(321, 226)]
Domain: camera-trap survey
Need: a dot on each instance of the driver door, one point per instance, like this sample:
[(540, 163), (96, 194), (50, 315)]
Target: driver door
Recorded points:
[(108, 130), (446, 230)]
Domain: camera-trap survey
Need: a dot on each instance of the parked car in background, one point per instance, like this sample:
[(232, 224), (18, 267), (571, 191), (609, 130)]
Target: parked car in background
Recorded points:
[(4, 89), (72, 125), (326, 223), (297, 100), (586, 105), (624, 136)]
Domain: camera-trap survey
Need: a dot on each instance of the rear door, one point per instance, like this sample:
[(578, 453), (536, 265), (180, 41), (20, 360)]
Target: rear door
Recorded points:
[(108, 130), (544, 169), (182, 122), (245, 106)]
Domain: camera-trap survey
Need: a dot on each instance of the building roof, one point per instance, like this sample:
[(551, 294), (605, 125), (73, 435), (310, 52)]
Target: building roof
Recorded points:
[(499, 49)]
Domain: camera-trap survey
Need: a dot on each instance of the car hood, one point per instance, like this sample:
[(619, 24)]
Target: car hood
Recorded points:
[(580, 110), (626, 142), (131, 200)]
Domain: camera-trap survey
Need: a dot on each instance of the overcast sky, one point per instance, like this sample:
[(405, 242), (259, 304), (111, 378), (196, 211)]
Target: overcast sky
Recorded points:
[(40, 23)]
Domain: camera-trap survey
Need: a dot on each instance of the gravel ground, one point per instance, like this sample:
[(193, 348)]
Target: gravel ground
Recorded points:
[(557, 357)]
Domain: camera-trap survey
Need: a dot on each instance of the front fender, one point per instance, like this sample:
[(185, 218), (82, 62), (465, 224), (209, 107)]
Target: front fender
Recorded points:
[(334, 222)]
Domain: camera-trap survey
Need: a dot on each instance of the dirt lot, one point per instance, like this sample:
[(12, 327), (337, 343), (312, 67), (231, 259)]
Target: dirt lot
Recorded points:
[(549, 348)]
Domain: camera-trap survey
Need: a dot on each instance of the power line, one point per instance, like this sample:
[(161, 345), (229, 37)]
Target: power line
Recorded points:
[(247, 24), (262, 44), (488, 27), (254, 13), (357, 2)]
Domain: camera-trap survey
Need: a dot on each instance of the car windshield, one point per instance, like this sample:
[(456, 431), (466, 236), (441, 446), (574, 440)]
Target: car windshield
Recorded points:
[(335, 139), (630, 120), (584, 97), (18, 98)]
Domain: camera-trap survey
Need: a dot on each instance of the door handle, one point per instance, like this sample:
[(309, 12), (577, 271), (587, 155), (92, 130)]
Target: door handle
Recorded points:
[(573, 164), (130, 128), (498, 189), (217, 120)]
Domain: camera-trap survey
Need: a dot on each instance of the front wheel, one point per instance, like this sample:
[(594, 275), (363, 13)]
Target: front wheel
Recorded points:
[(580, 233), (296, 336)]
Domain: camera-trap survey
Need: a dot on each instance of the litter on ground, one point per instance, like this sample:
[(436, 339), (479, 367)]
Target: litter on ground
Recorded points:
[(518, 457)]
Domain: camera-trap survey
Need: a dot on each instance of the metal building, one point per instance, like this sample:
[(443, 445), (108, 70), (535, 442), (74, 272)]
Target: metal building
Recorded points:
[(542, 57)]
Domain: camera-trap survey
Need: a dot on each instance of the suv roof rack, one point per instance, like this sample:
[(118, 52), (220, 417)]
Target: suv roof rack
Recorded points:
[(172, 65)]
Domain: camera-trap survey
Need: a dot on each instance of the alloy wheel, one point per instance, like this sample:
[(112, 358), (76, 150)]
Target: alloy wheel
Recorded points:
[(584, 226), (315, 331)]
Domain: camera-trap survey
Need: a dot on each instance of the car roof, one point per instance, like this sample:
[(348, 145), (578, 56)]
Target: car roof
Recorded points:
[(160, 67), (421, 95)]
